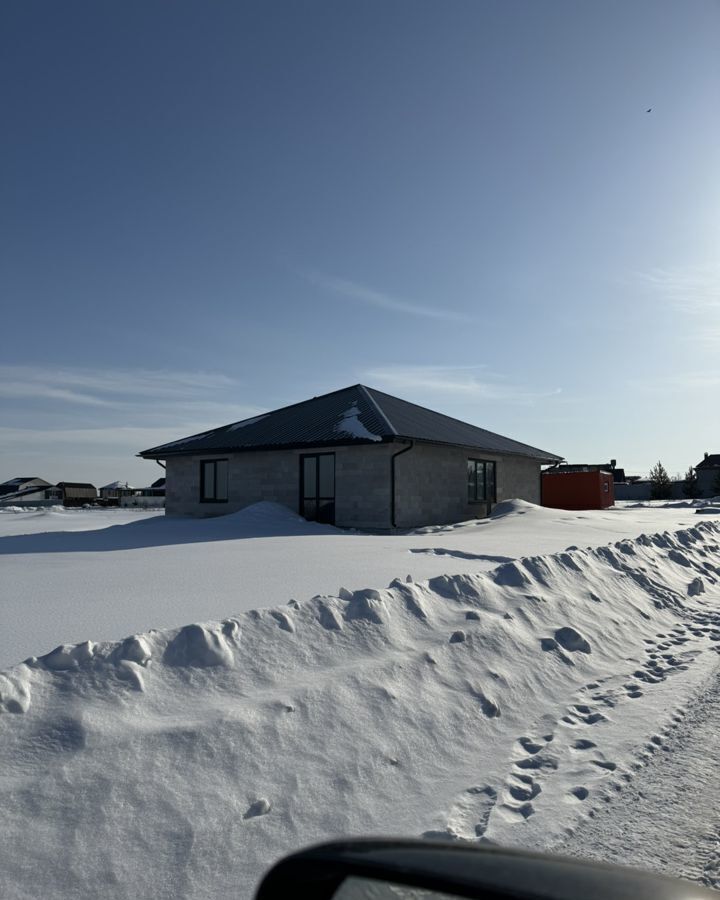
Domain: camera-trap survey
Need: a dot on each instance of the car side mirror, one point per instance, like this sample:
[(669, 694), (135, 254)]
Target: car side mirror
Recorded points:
[(387, 869)]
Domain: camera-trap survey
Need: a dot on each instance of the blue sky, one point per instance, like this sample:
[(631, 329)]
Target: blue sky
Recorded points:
[(210, 209)]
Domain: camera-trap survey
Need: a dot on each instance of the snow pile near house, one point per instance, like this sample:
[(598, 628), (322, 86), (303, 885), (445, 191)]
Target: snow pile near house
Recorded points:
[(504, 705), (503, 510), (266, 519)]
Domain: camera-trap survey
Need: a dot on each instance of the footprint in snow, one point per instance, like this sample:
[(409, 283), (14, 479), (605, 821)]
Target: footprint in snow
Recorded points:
[(468, 816), (259, 808), (604, 764)]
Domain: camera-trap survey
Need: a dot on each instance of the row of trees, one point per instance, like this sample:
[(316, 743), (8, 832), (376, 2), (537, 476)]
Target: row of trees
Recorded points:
[(661, 486)]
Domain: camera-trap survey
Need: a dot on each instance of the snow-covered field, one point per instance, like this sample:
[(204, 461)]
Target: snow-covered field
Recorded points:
[(67, 575), (518, 695)]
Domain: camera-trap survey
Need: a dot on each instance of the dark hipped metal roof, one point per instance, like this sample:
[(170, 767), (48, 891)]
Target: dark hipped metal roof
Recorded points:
[(353, 415), (711, 461)]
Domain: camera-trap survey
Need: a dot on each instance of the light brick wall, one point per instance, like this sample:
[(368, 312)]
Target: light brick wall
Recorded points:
[(362, 486), (362, 483), (431, 484)]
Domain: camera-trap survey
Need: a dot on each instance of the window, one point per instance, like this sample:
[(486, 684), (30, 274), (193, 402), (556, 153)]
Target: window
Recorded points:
[(481, 481), (317, 487), (214, 481)]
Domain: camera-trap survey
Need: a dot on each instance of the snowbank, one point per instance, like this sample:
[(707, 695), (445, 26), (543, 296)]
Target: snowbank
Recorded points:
[(67, 574), (503, 510), (504, 705)]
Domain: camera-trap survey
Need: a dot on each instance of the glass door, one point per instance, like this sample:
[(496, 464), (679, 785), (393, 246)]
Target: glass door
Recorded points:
[(317, 487)]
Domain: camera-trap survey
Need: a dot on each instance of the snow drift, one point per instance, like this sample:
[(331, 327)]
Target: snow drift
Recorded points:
[(500, 706)]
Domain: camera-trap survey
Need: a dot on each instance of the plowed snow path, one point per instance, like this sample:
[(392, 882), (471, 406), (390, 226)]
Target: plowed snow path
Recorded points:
[(668, 820)]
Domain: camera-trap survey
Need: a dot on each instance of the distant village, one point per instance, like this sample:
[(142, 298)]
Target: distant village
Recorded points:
[(36, 492)]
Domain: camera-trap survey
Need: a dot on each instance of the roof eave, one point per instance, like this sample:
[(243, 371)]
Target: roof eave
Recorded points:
[(159, 453), (541, 456)]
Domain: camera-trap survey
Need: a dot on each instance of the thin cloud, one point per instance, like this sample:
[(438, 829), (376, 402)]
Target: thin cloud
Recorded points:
[(361, 294), (709, 337), (107, 387), (111, 410), (453, 380), (130, 439), (681, 381), (691, 289), (20, 390)]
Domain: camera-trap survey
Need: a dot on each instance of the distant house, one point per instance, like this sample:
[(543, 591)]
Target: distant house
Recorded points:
[(77, 493), (708, 475), (356, 458), (29, 492), (16, 485), (111, 494), (156, 489), (569, 486), (150, 497)]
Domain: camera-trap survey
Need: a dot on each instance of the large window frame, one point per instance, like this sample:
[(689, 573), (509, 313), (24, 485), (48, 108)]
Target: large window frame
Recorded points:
[(214, 475), (481, 480), (317, 496)]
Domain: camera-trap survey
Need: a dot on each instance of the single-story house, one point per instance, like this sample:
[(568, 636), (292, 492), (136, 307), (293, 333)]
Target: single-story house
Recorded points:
[(578, 486), (357, 457), (16, 485), (35, 492), (115, 490), (77, 493), (708, 475), (149, 497), (112, 494)]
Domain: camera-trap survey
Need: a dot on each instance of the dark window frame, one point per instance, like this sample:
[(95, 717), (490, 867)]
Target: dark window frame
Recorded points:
[(318, 497), (213, 462), (485, 497)]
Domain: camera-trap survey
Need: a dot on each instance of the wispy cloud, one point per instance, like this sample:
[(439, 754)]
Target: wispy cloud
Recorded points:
[(680, 382), (94, 403), (88, 423), (361, 294), (691, 289), (126, 439), (469, 382), (707, 336), (29, 390), (106, 387)]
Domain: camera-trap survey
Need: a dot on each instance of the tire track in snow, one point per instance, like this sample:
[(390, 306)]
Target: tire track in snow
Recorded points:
[(668, 819)]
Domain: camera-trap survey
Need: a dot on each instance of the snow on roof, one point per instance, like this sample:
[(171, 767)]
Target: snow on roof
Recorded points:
[(116, 485), (350, 424)]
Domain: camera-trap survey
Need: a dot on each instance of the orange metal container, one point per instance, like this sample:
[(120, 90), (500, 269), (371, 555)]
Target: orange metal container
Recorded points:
[(578, 490)]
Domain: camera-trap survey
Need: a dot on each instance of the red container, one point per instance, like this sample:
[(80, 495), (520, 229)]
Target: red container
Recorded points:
[(578, 490)]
